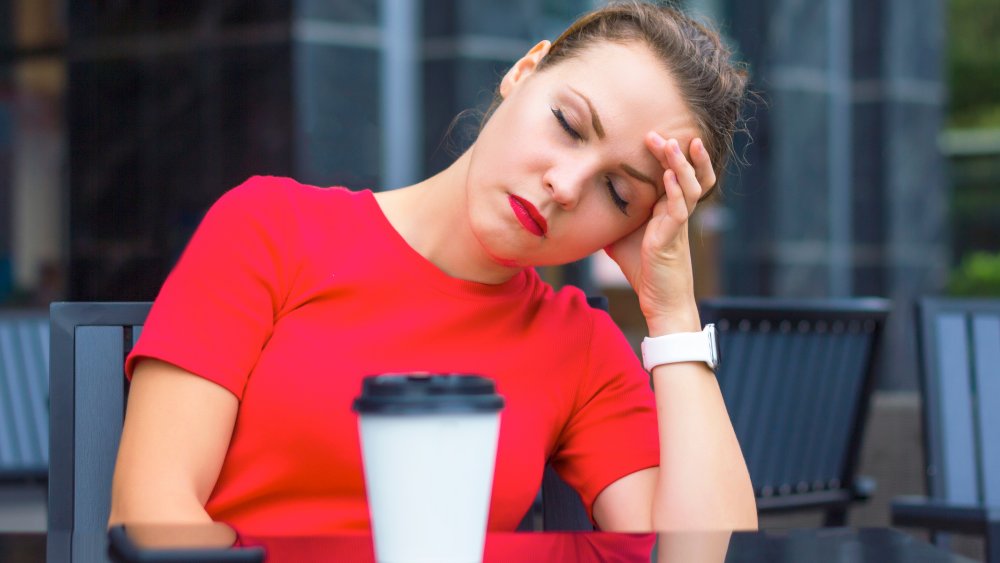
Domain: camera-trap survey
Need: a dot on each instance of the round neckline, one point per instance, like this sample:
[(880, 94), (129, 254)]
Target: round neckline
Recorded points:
[(440, 279)]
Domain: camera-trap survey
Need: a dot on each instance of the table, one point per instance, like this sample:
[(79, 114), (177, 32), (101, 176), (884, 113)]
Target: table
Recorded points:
[(819, 545)]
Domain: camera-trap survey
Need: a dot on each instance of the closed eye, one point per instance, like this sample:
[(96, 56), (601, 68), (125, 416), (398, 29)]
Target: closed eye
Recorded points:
[(565, 124), (619, 202)]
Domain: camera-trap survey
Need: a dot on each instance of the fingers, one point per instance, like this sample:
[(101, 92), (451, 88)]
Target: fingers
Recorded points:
[(677, 202), (703, 168), (626, 252), (694, 179)]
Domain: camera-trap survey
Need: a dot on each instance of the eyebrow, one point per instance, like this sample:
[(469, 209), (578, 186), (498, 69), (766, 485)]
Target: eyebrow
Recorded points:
[(639, 176), (595, 120)]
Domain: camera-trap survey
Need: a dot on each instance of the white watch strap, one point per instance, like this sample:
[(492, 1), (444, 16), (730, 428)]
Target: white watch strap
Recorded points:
[(679, 347)]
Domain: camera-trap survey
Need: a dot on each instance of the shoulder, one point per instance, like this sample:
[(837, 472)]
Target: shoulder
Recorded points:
[(569, 299), (285, 203), (265, 190), (580, 318), (569, 307)]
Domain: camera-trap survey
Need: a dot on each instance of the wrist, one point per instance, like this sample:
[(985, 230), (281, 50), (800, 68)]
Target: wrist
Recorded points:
[(686, 320)]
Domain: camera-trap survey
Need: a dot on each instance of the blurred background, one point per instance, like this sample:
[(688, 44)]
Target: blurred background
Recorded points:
[(872, 171)]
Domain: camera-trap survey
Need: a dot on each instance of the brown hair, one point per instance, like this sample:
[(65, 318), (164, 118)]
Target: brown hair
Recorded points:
[(713, 86)]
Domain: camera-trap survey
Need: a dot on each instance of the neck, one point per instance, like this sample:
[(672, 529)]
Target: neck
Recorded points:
[(432, 217)]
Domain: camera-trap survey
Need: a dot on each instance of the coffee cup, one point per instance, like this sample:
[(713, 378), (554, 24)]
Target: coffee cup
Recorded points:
[(428, 446)]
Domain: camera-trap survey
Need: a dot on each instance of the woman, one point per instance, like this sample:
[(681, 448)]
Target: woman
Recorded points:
[(288, 295)]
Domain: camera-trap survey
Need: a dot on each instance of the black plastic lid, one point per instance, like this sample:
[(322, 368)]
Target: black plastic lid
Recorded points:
[(417, 393)]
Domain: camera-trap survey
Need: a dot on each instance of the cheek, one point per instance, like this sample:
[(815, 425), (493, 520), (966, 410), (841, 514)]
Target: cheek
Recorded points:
[(607, 229), (518, 136)]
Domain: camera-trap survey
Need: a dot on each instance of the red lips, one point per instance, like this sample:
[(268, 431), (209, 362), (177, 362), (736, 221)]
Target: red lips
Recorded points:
[(529, 217)]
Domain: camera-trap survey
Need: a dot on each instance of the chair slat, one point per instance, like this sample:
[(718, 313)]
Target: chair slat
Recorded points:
[(760, 371), (801, 422), (18, 450), (854, 348), (23, 395), (9, 423), (33, 338), (986, 363), (735, 347), (811, 396), (954, 401), (820, 378), (788, 348), (836, 400), (737, 369), (99, 353), (773, 404)]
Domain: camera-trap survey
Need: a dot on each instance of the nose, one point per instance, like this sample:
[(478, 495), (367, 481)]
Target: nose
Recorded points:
[(565, 184)]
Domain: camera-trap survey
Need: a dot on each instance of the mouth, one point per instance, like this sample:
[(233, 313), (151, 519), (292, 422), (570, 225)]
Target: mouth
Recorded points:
[(529, 217)]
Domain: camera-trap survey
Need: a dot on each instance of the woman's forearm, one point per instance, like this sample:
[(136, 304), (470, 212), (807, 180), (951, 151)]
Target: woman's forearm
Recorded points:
[(703, 482), (176, 433), (146, 506)]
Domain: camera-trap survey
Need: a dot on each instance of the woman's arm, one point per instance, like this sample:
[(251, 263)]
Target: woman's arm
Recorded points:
[(177, 430), (702, 481)]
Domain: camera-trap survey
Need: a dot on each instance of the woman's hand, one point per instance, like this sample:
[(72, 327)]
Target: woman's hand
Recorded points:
[(656, 258)]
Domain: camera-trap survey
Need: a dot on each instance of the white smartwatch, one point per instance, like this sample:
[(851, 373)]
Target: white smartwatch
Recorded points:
[(681, 347)]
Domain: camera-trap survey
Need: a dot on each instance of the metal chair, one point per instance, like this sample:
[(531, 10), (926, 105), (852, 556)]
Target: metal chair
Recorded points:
[(797, 377), (959, 344), (87, 392)]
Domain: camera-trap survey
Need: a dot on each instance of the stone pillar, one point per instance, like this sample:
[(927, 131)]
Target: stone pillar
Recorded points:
[(916, 183), (846, 189)]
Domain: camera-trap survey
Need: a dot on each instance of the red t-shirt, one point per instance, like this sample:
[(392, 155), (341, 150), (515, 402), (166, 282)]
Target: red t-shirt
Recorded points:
[(288, 295)]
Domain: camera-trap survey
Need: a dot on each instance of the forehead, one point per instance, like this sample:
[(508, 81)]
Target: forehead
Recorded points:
[(629, 86)]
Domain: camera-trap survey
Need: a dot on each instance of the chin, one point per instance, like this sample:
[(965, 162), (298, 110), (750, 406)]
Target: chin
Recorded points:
[(496, 245)]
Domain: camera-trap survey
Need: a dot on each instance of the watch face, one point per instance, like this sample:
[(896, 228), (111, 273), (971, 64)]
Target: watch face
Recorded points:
[(713, 343)]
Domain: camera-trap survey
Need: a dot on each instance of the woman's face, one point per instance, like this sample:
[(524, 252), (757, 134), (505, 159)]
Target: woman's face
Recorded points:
[(561, 169)]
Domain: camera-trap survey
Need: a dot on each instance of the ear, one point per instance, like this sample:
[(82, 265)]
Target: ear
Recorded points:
[(524, 67)]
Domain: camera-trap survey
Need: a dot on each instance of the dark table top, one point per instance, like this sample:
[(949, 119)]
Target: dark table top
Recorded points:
[(881, 545)]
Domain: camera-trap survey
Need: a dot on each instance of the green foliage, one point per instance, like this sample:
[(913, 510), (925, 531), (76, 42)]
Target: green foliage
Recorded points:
[(977, 276), (974, 62)]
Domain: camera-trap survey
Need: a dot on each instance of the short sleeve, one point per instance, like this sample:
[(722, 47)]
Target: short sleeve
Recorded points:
[(217, 307), (613, 431)]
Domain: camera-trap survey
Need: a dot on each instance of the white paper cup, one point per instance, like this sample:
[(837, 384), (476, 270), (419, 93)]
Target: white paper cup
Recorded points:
[(429, 449)]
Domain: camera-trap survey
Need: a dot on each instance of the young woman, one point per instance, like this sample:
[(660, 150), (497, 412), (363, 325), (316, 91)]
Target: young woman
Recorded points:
[(288, 295)]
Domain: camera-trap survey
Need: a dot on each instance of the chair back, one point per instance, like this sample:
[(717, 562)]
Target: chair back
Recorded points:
[(24, 371), (797, 376), (960, 378), (87, 392)]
